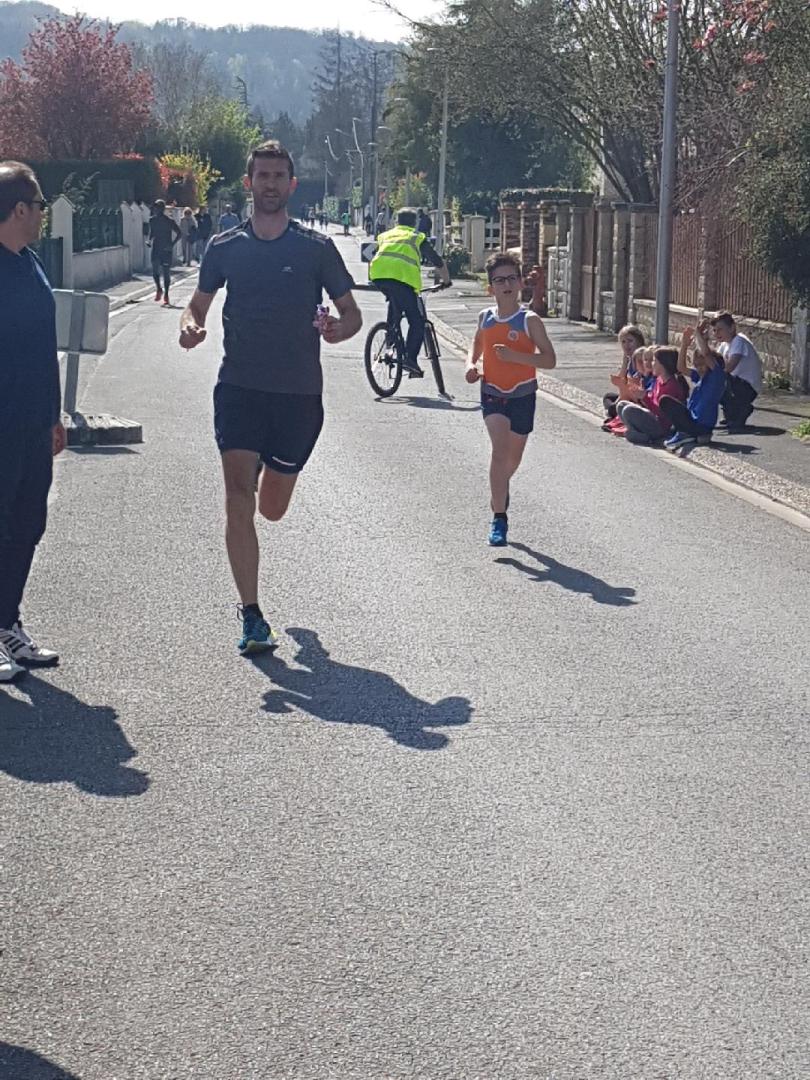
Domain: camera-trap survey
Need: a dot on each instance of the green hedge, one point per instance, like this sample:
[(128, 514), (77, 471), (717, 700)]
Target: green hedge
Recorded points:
[(534, 196), (141, 174)]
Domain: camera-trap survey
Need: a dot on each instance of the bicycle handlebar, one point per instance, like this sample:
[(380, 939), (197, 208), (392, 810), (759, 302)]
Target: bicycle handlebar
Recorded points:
[(369, 286)]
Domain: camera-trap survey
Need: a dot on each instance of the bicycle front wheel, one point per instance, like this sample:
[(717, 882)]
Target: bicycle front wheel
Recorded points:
[(432, 350), (383, 361)]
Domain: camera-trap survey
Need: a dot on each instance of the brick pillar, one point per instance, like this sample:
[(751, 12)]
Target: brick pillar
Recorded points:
[(576, 247), (529, 221), (621, 264), (800, 352), (604, 262), (707, 264), (640, 217), (510, 227)]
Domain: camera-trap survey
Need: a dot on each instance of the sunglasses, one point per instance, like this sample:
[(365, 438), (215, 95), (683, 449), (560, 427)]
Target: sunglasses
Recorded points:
[(508, 279), (41, 203)]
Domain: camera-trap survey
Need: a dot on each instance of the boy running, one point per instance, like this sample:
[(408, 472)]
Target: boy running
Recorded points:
[(513, 343), (267, 402)]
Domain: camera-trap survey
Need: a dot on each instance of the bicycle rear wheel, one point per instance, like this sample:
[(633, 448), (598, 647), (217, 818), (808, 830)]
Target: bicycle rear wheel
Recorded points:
[(432, 349), (383, 361)]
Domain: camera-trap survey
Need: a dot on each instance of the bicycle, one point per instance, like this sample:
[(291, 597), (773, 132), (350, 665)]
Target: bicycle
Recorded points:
[(385, 356)]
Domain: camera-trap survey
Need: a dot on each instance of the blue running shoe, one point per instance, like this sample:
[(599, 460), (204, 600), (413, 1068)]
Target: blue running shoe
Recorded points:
[(678, 440), (256, 633), (497, 532)]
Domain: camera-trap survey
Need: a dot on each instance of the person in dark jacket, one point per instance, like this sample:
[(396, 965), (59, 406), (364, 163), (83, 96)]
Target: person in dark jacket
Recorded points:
[(205, 226), (31, 431), (164, 233)]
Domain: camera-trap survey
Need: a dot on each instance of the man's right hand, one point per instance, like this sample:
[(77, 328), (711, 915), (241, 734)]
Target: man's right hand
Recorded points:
[(472, 374), (191, 335)]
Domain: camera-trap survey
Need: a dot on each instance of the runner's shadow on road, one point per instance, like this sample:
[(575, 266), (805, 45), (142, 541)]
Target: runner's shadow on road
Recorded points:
[(344, 694), (53, 737), (17, 1063), (568, 577)]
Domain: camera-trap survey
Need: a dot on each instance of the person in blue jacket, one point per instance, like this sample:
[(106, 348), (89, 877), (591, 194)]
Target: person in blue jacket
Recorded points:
[(695, 421), (31, 431)]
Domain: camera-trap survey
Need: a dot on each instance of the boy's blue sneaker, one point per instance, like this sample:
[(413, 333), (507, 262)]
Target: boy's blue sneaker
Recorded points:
[(256, 633), (679, 439), (497, 532)]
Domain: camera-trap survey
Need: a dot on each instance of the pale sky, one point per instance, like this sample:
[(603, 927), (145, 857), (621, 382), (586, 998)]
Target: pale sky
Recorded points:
[(359, 16)]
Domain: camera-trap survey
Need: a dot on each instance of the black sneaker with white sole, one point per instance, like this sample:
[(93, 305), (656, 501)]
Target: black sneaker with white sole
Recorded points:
[(24, 650)]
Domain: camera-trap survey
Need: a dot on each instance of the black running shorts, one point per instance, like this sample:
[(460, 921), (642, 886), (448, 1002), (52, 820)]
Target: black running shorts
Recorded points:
[(519, 411), (281, 428)]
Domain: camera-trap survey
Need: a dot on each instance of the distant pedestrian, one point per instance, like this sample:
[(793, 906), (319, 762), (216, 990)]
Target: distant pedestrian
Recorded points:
[(228, 220), (511, 343), (322, 219), (205, 226), (312, 217), (188, 235), (424, 224), (743, 371), (345, 221), (368, 224), (31, 431), (163, 235)]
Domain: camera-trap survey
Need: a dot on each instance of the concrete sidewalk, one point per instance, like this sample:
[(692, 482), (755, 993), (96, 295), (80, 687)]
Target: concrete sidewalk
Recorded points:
[(766, 458)]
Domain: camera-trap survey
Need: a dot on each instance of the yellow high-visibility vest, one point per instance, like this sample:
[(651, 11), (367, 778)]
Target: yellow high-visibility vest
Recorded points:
[(398, 257)]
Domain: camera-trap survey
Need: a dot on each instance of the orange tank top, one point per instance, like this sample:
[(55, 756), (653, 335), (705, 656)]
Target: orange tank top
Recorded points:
[(501, 378)]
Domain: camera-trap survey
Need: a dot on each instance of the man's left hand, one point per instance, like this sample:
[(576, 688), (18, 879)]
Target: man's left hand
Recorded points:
[(59, 438)]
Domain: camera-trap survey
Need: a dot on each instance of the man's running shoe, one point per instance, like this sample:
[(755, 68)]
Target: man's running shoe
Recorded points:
[(159, 294), (497, 532), (166, 301), (9, 668), (256, 633), (678, 440), (24, 650)]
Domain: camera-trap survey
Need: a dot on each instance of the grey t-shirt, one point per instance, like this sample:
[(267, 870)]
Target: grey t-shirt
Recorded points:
[(273, 290)]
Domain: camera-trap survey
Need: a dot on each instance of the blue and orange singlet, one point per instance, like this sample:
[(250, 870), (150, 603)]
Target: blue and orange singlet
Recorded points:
[(502, 379)]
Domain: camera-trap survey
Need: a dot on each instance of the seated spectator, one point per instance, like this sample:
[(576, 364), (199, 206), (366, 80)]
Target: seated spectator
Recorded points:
[(695, 420), (743, 371), (643, 419), (631, 340)]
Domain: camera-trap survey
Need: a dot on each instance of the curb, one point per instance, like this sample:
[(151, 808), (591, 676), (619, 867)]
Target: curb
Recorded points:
[(768, 485)]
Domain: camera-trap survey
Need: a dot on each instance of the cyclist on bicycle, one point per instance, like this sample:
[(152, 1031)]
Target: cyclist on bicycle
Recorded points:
[(396, 271)]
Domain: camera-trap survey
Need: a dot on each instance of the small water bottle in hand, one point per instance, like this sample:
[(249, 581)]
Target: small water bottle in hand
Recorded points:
[(321, 315)]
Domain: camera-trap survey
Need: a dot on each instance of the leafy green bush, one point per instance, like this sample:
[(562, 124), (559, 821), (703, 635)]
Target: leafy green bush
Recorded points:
[(141, 173), (457, 259), (777, 380), (802, 431)]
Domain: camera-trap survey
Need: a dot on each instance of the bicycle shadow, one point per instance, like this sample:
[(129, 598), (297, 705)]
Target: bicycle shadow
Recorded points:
[(431, 403), (17, 1063), (345, 694), (569, 577), (53, 737)]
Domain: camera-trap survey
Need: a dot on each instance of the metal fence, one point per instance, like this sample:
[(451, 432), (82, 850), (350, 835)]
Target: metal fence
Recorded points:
[(97, 227), (743, 287), (686, 259), (49, 249)]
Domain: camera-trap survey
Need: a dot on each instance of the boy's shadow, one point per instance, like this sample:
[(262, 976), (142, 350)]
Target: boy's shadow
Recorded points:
[(17, 1063), (343, 694), (54, 737), (570, 578)]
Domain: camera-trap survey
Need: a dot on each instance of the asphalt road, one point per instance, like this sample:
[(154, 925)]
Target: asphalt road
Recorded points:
[(487, 815)]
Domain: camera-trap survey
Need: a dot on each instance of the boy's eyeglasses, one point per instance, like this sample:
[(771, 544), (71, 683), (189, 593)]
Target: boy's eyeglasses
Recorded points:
[(505, 279), (41, 203)]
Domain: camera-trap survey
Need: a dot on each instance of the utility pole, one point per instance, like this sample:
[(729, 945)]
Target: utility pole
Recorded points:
[(442, 165), (663, 277), (373, 144)]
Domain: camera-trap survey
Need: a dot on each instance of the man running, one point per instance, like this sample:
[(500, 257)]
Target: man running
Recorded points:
[(396, 270), (267, 402), (164, 233)]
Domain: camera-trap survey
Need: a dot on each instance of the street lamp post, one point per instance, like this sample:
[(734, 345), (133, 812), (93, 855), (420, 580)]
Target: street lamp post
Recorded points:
[(663, 278), (442, 158)]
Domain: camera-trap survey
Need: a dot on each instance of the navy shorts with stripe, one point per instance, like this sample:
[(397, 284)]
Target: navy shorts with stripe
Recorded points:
[(281, 428), (518, 410)]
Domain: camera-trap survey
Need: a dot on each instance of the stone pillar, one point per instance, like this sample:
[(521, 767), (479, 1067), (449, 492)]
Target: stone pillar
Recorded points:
[(475, 227), (563, 223), (62, 226), (800, 352), (604, 265), (621, 264), (529, 235), (707, 264), (576, 250), (641, 214), (510, 227)]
